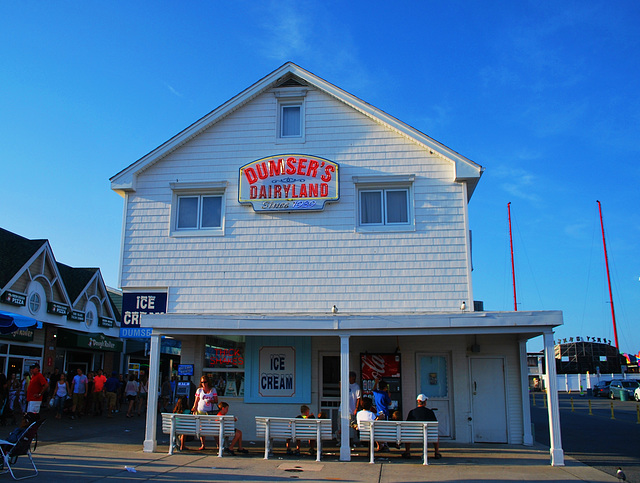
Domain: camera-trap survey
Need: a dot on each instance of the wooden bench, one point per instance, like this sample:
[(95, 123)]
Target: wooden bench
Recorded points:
[(293, 429), (400, 432), (198, 425)]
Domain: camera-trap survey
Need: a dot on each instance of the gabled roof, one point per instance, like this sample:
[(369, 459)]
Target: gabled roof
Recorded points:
[(465, 169), (15, 252), (76, 279)]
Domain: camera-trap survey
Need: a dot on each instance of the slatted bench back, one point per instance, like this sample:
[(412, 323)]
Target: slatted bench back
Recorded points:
[(399, 431), (199, 424), (293, 428)]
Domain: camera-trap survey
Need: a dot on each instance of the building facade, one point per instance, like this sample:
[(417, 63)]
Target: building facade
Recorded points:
[(298, 233), (75, 324)]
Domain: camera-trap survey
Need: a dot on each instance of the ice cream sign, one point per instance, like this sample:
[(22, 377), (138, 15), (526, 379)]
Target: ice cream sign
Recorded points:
[(289, 182)]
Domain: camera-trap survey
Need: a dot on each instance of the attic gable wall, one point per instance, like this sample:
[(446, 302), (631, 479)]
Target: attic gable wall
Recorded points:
[(300, 262)]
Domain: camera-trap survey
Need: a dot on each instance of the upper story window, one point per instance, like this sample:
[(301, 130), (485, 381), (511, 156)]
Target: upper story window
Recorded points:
[(198, 209), (385, 203), (291, 117), (36, 298), (199, 212), (34, 303), (384, 206), (290, 120)]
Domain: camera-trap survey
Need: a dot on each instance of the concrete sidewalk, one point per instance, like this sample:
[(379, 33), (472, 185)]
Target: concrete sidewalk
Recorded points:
[(94, 461), (100, 449)]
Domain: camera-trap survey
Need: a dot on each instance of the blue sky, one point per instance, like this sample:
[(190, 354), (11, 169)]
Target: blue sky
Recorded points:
[(544, 95)]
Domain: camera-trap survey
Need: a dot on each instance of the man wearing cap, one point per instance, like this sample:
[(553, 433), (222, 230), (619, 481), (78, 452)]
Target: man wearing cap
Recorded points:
[(421, 413)]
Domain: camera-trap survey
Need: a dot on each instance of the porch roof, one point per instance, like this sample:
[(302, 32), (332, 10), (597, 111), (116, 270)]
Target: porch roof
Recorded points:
[(526, 323)]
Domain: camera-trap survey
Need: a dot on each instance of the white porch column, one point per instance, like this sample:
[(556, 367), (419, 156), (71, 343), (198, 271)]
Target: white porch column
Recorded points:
[(524, 381), (149, 445), (557, 455), (345, 446)]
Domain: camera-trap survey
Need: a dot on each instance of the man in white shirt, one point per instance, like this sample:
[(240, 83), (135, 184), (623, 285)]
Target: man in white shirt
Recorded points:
[(365, 414), (354, 394)]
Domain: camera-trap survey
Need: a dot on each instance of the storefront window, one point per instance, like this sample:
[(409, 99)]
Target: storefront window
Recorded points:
[(224, 364)]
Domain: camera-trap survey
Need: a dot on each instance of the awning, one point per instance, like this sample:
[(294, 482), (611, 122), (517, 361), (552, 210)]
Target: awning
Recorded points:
[(72, 339), (10, 322)]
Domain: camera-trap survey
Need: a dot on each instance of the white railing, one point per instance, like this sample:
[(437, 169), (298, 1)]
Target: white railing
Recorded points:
[(573, 382)]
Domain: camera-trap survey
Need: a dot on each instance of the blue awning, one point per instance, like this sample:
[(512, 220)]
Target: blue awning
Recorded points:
[(10, 322)]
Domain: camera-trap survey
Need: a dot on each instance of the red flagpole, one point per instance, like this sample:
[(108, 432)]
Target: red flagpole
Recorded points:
[(606, 262), (513, 266)]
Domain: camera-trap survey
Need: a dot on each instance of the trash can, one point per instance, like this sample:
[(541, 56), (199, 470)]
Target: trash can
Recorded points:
[(624, 396)]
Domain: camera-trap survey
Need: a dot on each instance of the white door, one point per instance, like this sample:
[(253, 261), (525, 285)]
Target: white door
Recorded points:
[(489, 411)]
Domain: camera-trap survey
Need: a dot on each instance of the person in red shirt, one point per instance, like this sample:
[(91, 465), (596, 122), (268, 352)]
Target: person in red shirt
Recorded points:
[(98, 393), (37, 387)]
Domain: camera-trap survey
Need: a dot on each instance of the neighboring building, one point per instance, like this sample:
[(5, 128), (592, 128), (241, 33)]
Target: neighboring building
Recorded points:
[(75, 323), (296, 233), (581, 357)]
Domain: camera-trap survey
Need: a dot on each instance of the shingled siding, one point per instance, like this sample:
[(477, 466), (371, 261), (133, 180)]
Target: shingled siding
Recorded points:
[(300, 262)]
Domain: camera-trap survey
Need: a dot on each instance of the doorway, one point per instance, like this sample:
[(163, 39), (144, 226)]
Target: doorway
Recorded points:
[(488, 400), (330, 387)]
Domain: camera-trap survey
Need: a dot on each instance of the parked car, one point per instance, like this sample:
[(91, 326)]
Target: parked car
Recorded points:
[(618, 386), (601, 389)]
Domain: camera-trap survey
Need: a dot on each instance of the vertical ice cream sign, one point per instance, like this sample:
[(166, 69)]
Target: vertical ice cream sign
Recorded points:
[(277, 371), (289, 182)]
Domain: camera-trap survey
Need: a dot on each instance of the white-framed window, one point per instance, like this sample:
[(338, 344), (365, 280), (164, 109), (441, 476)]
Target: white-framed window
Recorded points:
[(36, 298), (199, 212), (385, 203), (34, 302), (197, 209), (290, 116), (384, 206), (90, 314), (291, 120)]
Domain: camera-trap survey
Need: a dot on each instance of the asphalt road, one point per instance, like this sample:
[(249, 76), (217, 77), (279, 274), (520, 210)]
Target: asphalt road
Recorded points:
[(595, 440)]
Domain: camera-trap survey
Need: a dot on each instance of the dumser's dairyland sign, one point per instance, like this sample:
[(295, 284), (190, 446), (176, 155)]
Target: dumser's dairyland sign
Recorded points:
[(289, 182)]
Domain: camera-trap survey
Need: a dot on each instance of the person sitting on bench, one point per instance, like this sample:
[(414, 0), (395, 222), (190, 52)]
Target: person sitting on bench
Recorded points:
[(421, 413)]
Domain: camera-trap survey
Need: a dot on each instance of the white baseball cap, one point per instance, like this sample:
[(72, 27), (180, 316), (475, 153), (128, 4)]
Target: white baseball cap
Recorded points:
[(422, 397)]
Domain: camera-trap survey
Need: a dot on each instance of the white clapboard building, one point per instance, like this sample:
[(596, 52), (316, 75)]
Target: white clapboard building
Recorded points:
[(297, 233)]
